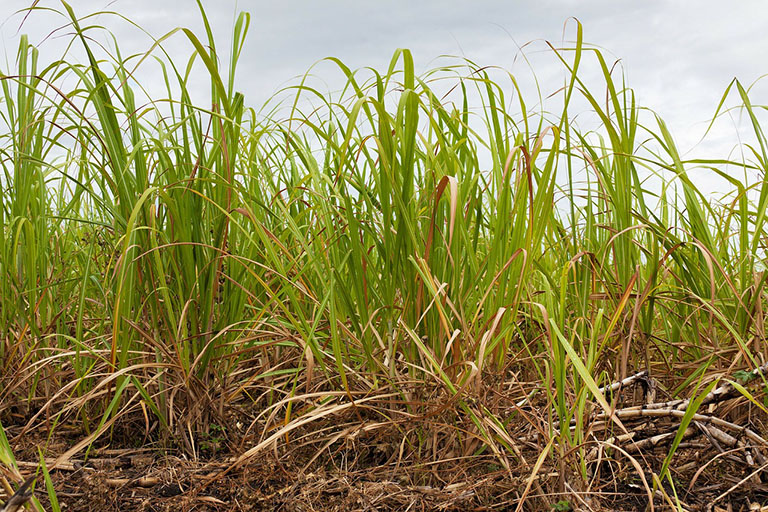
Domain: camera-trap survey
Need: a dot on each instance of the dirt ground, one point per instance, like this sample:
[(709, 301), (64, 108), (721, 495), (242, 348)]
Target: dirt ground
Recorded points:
[(367, 474), (354, 461)]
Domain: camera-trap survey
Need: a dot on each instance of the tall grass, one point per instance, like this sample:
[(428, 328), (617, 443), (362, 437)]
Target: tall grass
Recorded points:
[(386, 241)]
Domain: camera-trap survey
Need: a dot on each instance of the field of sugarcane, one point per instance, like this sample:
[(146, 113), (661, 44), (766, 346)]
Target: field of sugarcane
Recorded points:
[(437, 291)]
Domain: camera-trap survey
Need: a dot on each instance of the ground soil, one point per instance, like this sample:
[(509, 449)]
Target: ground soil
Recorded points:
[(361, 476), (355, 462)]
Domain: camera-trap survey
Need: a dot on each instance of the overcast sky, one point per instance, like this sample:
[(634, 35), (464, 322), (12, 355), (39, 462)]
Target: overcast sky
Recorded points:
[(679, 56)]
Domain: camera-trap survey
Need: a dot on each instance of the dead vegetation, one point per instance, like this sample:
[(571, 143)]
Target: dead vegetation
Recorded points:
[(351, 460)]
